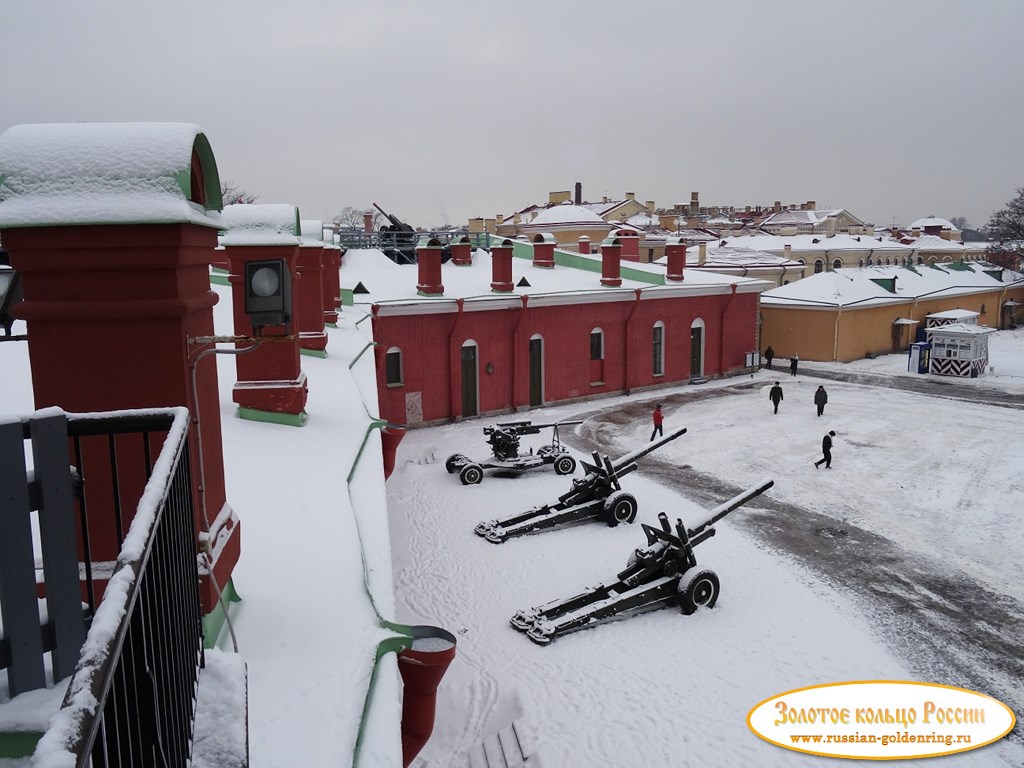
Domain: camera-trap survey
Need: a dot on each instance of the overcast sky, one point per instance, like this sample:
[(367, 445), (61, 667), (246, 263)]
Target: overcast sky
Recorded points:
[(441, 110)]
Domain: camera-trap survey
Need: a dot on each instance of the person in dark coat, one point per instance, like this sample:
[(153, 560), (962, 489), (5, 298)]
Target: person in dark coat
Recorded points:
[(820, 398), (775, 395), (793, 363), (658, 419), (826, 451), (768, 355)]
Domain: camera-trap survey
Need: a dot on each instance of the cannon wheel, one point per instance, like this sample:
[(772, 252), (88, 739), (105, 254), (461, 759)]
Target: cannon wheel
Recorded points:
[(565, 465), (453, 462), (471, 474), (698, 590), (620, 507)]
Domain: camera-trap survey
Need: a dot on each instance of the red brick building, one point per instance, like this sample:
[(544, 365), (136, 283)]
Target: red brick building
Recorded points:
[(559, 334)]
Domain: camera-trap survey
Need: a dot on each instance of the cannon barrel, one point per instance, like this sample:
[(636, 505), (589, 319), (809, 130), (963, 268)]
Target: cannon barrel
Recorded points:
[(726, 507), (397, 223), (639, 453)]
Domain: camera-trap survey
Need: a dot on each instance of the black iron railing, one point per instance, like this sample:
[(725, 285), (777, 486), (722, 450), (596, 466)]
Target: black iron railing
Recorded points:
[(353, 238), (131, 700)]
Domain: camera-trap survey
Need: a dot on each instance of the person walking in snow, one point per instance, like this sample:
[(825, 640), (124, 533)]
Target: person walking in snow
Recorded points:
[(820, 398), (658, 419), (826, 451), (793, 363), (768, 355), (775, 395)]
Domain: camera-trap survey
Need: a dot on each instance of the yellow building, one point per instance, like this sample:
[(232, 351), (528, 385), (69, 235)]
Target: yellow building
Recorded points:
[(846, 314)]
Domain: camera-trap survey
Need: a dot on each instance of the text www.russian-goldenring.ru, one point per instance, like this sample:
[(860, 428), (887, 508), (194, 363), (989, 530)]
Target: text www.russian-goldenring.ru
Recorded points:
[(885, 740)]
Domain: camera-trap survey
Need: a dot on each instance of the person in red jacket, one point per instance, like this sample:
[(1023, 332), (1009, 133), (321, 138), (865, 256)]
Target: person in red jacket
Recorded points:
[(658, 418)]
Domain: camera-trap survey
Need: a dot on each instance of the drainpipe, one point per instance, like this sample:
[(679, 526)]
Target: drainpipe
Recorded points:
[(721, 329), (835, 336), (629, 319), (459, 303), (515, 353)]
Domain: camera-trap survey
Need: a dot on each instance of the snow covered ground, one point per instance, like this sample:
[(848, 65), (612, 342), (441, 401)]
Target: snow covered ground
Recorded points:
[(940, 476)]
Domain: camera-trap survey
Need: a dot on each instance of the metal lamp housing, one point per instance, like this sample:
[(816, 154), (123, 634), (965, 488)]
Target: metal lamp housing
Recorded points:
[(268, 292)]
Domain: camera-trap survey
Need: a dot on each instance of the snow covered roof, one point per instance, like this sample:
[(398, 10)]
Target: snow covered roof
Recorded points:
[(386, 282), (818, 243), (566, 214), (67, 174), (260, 224), (933, 221), (954, 314), (805, 217), (936, 243), (870, 286), (959, 329)]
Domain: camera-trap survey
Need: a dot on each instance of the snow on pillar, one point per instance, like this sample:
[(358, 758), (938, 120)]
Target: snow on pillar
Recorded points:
[(112, 299), (271, 384), (428, 259), (583, 244), (675, 254), (611, 269), (501, 267)]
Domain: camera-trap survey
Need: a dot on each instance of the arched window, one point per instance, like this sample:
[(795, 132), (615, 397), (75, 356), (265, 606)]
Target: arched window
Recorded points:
[(869, 261), (597, 344), (658, 349), (920, 260), (393, 374), (887, 262), (819, 266), (860, 263), (837, 264)]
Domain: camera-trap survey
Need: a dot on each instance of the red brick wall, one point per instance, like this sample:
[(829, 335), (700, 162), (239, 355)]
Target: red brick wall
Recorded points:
[(431, 348)]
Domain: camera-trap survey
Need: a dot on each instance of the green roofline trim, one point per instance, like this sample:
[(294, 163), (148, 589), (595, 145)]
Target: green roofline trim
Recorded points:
[(523, 250)]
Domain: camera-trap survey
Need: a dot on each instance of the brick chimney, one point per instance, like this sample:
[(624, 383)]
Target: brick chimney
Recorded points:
[(501, 267), (787, 251), (543, 250), (578, 193), (368, 222), (675, 252), (462, 255), (583, 244), (649, 205), (611, 269), (630, 244), (428, 260), (668, 221), (702, 254)]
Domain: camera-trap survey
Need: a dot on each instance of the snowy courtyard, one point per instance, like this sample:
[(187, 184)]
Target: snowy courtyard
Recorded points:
[(923, 499)]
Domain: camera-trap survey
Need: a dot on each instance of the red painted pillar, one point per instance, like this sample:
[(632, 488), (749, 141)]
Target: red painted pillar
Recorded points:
[(428, 259), (331, 284), (307, 295), (462, 253), (611, 269), (583, 244), (543, 251), (271, 384), (501, 267), (109, 311), (675, 254), (630, 245)]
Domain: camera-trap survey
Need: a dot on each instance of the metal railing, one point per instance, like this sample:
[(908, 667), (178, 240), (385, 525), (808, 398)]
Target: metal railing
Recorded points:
[(384, 240), (132, 698)]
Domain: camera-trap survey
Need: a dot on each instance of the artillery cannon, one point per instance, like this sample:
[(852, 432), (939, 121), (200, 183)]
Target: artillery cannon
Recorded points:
[(397, 239), (504, 441), (597, 494), (660, 575)]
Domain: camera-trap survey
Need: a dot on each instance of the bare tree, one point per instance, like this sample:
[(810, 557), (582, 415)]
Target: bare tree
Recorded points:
[(352, 218), (232, 194), (960, 222), (1007, 225)]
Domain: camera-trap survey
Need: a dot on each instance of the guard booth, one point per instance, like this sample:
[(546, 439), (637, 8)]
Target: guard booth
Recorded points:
[(919, 357), (959, 349)]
